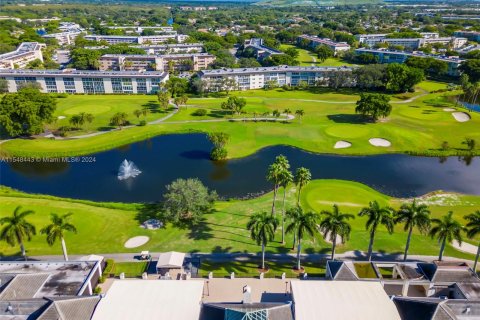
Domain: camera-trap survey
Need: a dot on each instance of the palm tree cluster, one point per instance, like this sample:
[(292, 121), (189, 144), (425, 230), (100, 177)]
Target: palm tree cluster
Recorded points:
[(17, 229), (334, 225)]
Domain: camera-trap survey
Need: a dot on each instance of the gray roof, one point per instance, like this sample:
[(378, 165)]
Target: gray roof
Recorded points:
[(340, 271), (77, 308), (22, 309), (86, 73), (448, 273), (437, 309), (221, 311), (240, 71), (24, 286), (470, 290), (416, 309)]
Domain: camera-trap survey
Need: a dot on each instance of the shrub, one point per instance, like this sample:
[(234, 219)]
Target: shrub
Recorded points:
[(142, 123), (97, 290), (218, 153), (199, 112)]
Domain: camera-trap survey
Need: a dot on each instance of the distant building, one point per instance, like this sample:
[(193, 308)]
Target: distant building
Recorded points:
[(179, 62), (257, 78), (173, 48), (428, 38), (316, 41), (160, 38), (261, 51), (84, 81), (64, 38), (470, 35), (25, 53), (390, 56)]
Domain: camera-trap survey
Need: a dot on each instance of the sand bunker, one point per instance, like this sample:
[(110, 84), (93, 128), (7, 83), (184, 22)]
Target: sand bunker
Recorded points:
[(136, 241), (342, 144), (448, 109), (379, 142), (461, 116), (61, 117)]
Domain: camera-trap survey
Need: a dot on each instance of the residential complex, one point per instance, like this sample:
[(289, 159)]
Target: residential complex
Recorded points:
[(314, 41), (429, 38), (82, 81), (173, 48), (261, 51), (64, 38), (257, 78), (161, 38), (171, 62), (25, 53), (391, 56)]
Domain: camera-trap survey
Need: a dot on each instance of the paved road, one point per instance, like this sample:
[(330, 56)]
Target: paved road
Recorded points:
[(226, 257)]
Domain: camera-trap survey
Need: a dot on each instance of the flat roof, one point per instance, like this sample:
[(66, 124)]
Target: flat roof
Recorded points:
[(413, 54), (325, 41), (272, 69), (151, 299), (73, 72), (353, 300), (170, 259), (151, 56)]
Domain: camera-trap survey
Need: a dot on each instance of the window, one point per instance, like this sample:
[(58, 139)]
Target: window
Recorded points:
[(122, 85), (141, 85), (93, 85), (20, 81), (51, 84), (69, 84)]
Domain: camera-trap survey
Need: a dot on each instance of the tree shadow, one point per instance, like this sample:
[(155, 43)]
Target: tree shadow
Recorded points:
[(200, 231), (349, 118), (219, 114), (147, 211), (105, 128), (220, 249), (196, 155)]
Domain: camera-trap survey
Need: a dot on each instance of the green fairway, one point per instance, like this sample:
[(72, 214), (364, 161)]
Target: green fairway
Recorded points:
[(308, 59), (418, 124), (105, 227)]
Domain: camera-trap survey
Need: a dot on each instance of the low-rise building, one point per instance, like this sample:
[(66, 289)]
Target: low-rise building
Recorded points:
[(430, 38), (257, 78), (391, 56), (85, 81), (261, 51), (470, 35), (316, 41), (170, 62), (160, 38), (25, 53), (64, 38), (173, 48)]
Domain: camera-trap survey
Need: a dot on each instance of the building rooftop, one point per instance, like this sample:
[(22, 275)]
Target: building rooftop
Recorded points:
[(448, 273), (151, 299), (28, 280), (261, 311), (342, 300), (89, 73), (149, 56), (413, 54), (23, 48), (433, 309), (325, 41), (272, 69)]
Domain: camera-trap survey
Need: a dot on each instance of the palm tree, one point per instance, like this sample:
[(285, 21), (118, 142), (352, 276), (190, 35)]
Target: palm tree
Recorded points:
[(303, 224), (299, 113), (377, 216), (446, 229), (293, 215), (413, 215), (274, 174), (336, 224), (56, 230), (473, 229), (285, 179), (262, 227), (302, 178), (17, 229)]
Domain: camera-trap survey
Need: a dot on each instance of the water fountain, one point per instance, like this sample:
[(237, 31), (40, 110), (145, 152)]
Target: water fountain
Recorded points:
[(127, 170)]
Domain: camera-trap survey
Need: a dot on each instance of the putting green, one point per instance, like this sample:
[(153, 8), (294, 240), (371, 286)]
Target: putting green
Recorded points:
[(348, 131), (95, 110)]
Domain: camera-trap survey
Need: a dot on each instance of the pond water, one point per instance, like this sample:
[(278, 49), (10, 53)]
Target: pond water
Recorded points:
[(165, 158)]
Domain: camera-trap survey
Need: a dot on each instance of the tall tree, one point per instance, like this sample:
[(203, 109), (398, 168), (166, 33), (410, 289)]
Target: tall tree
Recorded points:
[(274, 175), (234, 104), (285, 179), (262, 227), (374, 105), (376, 216), (119, 119), (163, 99), (17, 229), (302, 178), (413, 215), (304, 224), (446, 229), (335, 223), (56, 230), (176, 86), (299, 113), (473, 229)]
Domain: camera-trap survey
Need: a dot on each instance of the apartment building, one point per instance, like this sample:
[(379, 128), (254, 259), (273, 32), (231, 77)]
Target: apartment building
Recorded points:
[(257, 78), (173, 48), (261, 50), (64, 38), (26, 52), (470, 35), (316, 41), (390, 56), (160, 38), (428, 38), (179, 62), (83, 81), (372, 39)]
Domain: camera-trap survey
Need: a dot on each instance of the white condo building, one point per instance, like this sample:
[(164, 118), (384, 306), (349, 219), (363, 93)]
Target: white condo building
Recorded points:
[(257, 78), (84, 81), (160, 38), (26, 52)]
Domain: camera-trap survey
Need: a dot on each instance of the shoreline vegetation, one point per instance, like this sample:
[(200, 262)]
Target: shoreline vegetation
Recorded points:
[(329, 117), (118, 222)]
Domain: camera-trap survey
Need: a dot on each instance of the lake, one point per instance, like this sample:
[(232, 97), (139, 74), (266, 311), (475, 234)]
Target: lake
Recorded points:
[(164, 158)]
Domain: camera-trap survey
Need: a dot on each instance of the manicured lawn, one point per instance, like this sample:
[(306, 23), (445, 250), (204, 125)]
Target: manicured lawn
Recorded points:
[(131, 269), (104, 227), (418, 126), (308, 59)]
